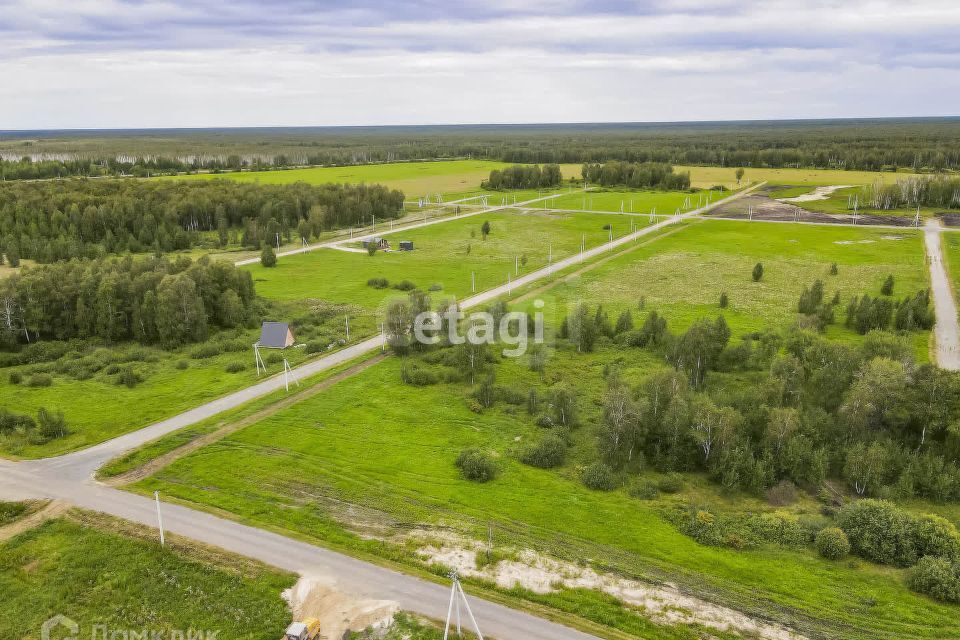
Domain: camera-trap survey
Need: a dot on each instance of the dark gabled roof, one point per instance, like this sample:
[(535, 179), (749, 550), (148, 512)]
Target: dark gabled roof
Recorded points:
[(273, 335)]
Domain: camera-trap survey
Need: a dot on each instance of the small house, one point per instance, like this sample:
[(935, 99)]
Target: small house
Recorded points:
[(406, 245), (379, 243), (275, 335)]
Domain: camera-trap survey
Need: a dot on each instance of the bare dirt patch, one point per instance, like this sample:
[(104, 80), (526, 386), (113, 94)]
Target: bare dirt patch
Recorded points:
[(338, 613), (760, 206), (820, 193), (663, 603)]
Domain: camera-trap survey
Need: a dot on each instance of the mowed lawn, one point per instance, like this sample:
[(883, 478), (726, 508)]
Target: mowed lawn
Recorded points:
[(444, 255), (683, 275), (375, 442), (415, 179), (97, 575)]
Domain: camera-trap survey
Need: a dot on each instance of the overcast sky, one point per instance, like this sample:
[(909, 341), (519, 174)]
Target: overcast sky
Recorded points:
[(180, 63)]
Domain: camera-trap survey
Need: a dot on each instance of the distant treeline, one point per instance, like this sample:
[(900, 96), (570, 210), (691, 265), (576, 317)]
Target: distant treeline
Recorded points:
[(524, 177), (874, 145), (60, 220), (643, 175), (152, 300)]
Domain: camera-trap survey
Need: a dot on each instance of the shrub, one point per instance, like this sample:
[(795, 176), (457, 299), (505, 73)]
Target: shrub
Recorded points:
[(671, 483), (378, 283), (936, 577), (182, 364), (418, 376), (235, 367), (39, 380), (879, 531), (208, 350), (315, 346), (129, 378), (545, 421), (404, 285), (599, 477), (550, 452), (476, 465), (783, 494), (15, 377), (436, 286), (10, 422), (724, 300), (644, 490), (267, 257), (757, 272), (834, 270), (51, 424), (935, 536), (832, 543)]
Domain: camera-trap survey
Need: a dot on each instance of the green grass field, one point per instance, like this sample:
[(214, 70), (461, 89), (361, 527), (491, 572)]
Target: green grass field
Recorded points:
[(94, 570), (639, 201), (415, 179), (389, 448), (708, 176), (445, 254), (684, 274)]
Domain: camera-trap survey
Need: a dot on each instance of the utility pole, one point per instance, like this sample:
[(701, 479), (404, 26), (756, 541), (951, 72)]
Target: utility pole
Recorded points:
[(156, 496), (456, 597), (347, 319), (278, 243), (473, 281)]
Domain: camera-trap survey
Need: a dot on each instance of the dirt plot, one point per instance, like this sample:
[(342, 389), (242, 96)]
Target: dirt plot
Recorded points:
[(766, 208)]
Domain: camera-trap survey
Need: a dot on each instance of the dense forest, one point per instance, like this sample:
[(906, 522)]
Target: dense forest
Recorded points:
[(63, 219), (636, 175), (151, 300), (922, 144), (529, 176)]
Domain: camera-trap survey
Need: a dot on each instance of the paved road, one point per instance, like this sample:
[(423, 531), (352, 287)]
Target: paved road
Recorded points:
[(70, 478), (946, 331), (349, 575)]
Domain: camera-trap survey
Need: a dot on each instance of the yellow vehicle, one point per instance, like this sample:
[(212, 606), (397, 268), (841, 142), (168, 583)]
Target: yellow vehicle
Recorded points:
[(308, 629)]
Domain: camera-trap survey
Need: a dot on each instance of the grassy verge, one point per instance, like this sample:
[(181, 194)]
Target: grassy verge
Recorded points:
[(98, 570)]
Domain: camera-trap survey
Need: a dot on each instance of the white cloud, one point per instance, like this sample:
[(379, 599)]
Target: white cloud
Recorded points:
[(116, 64)]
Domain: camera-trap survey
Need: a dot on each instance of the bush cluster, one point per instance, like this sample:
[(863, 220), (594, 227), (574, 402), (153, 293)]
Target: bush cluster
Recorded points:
[(477, 465)]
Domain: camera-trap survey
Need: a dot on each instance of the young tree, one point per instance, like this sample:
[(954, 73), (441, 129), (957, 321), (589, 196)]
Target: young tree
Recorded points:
[(724, 300), (267, 257), (485, 229), (757, 272), (620, 433), (739, 174), (563, 405), (887, 288)]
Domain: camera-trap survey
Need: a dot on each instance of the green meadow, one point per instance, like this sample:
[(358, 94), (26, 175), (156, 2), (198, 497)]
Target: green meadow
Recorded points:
[(388, 448), (415, 179), (444, 257), (638, 201), (96, 570), (684, 274)]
